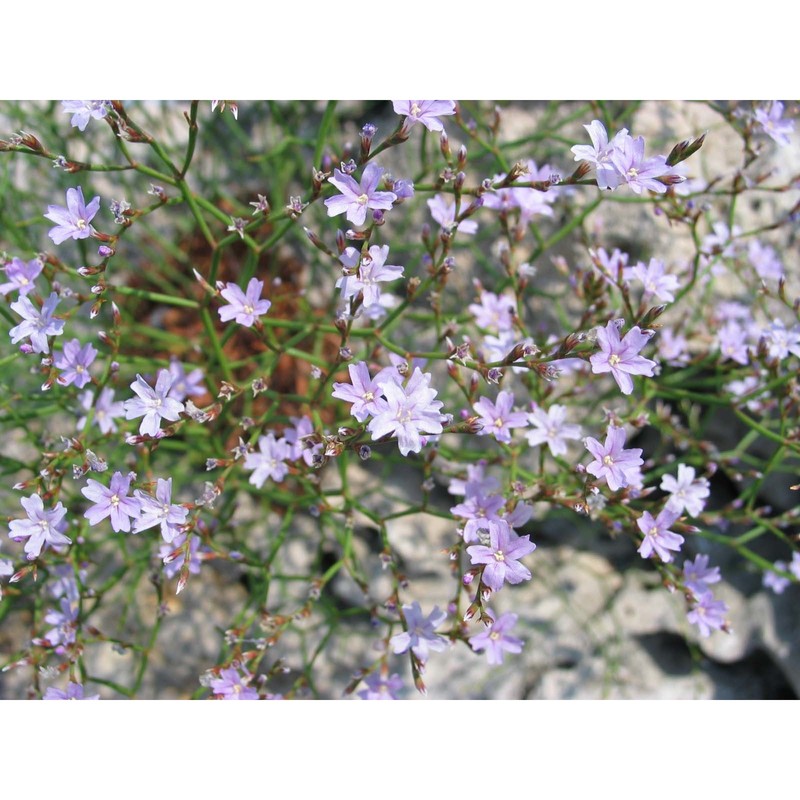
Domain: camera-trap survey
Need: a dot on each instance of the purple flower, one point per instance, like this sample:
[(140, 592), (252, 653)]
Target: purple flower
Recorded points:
[(655, 280), (687, 494), (781, 341), (270, 462), (550, 427), (498, 419), (672, 347), (21, 276), (408, 412), (64, 624), (299, 443), (381, 687), (732, 342), (708, 614), (245, 307), (493, 312), (495, 639), (502, 556), (372, 270), (74, 691), (764, 259), (74, 362), (105, 410), (769, 118), (41, 528), (37, 324), (618, 466), (697, 575), (152, 404), (73, 221), (356, 198), (444, 213), (363, 392), (480, 511), (638, 172), (425, 111), (232, 686), (600, 153), (621, 357), (112, 501), (185, 385), (772, 580), (84, 110), (657, 536), (419, 634), (160, 510)]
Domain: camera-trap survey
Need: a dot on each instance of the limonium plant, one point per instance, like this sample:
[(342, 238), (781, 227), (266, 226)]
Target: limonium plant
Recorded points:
[(250, 350)]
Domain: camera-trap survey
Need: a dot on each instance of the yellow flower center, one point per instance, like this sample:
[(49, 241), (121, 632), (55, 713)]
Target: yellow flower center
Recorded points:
[(362, 199)]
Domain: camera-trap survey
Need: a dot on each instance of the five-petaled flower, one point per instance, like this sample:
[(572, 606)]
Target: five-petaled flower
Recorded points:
[(502, 556), (153, 404), (618, 466), (21, 275), (420, 634), (426, 112), (658, 538), (160, 510), (41, 528), (498, 419), (73, 221), (244, 307), (112, 501), (356, 198), (84, 110), (36, 324), (495, 639), (621, 357), (74, 362)]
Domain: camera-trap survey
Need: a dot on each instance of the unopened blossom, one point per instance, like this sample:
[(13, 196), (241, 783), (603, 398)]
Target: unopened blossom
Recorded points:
[(444, 212), (708, 614), (638, 172), (112, 501), (658, 538), (357, 198), (74, 691), (408, 412), (185, 384), (72, 222), (37, 324), (764, 259), (244, 307), (655, 279), (381, 687), (426, 112), (495, 639), (494, 312), (74, 362), (621, 357), (21, 276), (173, 567), (372, 270), (106, 410), (365, 393), (84, 110), (231, 685), (687, 493), (160, 510), (619, 467), (551, 427), (697, 575), (42, 527), (269, 461), (154, 404), (600, 153), (501, 557), (770, 119), (498, 419), (420, 636)]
